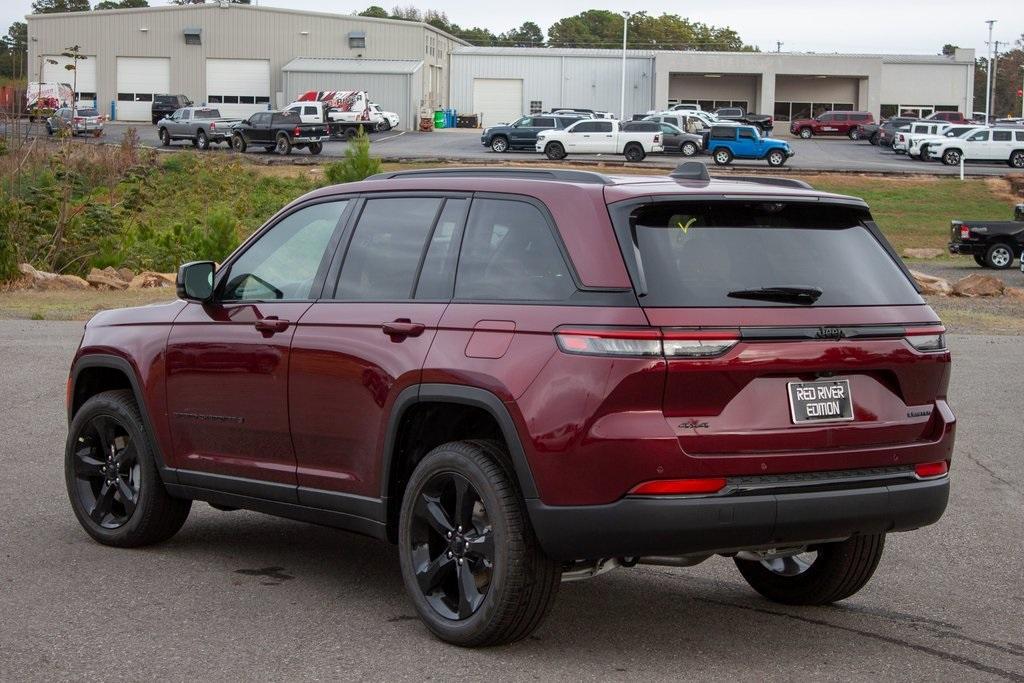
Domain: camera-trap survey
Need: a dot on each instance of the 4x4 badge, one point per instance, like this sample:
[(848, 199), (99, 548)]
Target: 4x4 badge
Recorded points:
[(693, 425), (830, 333)]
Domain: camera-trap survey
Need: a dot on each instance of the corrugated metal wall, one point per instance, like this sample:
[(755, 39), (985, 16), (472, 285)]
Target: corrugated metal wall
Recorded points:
[(393, 92), (558, 81), (238, 31)]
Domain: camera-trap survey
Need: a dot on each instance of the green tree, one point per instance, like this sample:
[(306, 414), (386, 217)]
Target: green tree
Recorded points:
[(203, 2), (603, 29), (357, 164), (527, 35), (374, 11), (408, 13), (121, 4), (58, 6), (14, 51)]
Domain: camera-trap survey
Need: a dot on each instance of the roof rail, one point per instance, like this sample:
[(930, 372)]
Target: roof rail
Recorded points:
[(770, 180), (691, 170), (565, 175)]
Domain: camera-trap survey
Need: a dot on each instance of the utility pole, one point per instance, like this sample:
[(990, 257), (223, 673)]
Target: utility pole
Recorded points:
[(995, 67), (778, 45), (988, 71), (625, 30), (1022, 91)]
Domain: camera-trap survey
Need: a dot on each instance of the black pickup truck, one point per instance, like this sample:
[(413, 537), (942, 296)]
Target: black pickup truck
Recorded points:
[(994, 244), (762, 121), (279, 131)]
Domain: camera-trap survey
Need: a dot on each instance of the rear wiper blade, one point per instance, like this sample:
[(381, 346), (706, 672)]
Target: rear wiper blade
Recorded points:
[(794, 294)]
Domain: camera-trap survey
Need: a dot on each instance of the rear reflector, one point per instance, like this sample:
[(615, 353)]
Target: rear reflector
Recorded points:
[(931, 470), (645, 341), (678, 487), (927, 339)]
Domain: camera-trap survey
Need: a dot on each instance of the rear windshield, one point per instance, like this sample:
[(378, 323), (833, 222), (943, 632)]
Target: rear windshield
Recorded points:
[(87, 112), (206, 113), (695, 254)]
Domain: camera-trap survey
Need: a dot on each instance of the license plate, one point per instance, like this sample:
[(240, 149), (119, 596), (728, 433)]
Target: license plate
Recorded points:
[(828, 401)]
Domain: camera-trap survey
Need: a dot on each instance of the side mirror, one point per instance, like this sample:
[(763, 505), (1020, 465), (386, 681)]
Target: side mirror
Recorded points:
[(195, 281)]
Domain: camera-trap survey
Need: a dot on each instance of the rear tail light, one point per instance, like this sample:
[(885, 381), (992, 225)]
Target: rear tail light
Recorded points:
[(645, 341), (931, 470), (965, 232), (928, 339), (78, 119), (213, 125), (297, 132), (678, 487), (657, 138)]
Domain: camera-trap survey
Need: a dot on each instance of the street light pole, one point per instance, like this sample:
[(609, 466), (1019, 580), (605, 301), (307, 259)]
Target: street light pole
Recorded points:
[(625, 30), (1022, 91), (988, 72)]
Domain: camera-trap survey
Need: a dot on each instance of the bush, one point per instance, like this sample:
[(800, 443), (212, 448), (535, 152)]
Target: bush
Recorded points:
[(357, 163)]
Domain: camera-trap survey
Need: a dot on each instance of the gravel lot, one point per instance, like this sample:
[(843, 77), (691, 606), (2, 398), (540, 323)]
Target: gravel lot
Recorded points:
[(817, 154), (241, 596)]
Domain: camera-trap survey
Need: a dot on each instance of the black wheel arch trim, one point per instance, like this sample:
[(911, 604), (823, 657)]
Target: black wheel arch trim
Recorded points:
[(463, 395), (112, 362)]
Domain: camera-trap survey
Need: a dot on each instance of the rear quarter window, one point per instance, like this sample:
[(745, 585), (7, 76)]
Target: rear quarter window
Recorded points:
[(693, 254)]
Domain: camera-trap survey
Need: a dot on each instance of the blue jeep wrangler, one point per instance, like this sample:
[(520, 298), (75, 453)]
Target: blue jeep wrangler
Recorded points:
[(523, 133), (727, 142)]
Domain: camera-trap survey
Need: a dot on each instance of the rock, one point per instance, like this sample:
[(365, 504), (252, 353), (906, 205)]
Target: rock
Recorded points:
[(40, 279), (148, 280), (105, 279), (923, 253), (978, 285), (126, 274), (932, 285), (1016, 293)]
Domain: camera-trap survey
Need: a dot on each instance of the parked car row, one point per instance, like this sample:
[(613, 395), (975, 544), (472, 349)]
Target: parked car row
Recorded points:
[(275, 131)]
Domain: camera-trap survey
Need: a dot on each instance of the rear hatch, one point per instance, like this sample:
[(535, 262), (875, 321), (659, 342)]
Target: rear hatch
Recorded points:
[(789, 328)]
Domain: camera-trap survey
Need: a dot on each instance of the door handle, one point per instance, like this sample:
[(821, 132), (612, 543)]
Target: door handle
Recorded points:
[(402, 328), (271, 325)]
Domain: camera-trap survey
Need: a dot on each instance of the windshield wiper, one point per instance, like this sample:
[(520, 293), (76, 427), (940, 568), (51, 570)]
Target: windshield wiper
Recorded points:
[(794, 294)]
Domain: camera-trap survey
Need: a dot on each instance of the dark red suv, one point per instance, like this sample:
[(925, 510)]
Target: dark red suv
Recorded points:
[(832, 123), (523, 377)]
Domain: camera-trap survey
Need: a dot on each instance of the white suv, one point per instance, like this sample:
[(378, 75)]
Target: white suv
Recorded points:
[(985, 144)]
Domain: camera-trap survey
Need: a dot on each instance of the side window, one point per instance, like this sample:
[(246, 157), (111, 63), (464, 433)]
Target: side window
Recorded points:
[(1019, 135), (723, 133), (746, 134), (385, 250), (826, 117), (840, 117), (437, 274), (980, 136), (585, 127), (603, 126), (308, 111), (283, 263), (1002, 135), (674, 120), (509, 253), (544, 123)]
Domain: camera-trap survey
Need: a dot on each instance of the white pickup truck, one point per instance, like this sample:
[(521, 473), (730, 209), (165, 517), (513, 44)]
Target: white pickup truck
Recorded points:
[(901, 142), (918, 143), (598, 136)]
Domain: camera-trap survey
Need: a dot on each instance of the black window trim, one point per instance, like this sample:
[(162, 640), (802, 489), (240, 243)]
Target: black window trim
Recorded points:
[(318, 281)]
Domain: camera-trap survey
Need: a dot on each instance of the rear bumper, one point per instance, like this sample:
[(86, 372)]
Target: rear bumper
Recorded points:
[(967, 248), (636, 527)]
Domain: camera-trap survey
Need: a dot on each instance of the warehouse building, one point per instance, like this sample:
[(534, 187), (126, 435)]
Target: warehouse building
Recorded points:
[(244, 58), (501, 83), (241, 58)]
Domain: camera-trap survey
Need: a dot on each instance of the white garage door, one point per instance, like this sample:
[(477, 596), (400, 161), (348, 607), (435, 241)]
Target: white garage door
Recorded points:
[(238, 87), (86, 77), (138, 80), (498, 100)]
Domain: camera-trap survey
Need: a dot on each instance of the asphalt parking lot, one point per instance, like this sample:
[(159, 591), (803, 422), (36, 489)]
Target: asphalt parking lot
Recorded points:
[(241, 596), (817, 154)]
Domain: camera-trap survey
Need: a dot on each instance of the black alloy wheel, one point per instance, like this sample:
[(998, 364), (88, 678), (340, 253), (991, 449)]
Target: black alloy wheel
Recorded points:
[(452, 546), (107, 471)]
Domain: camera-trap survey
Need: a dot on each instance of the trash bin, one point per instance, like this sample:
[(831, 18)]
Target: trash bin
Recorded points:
[(439, 119)]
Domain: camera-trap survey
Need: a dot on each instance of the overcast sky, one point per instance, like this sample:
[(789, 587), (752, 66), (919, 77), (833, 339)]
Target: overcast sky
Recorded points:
[(922, 26)]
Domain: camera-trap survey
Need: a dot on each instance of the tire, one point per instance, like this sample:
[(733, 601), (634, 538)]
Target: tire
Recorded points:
[(387, 125), (165, 137), (238, 143), (806, 133), (999, 256), (499, 144), (49, 128), (1016, 159), (838, 571), (722, 156), (521, 582), (283, 145), (315, 148), (554, 151), (351, 133), (379, 127), (980, 260), (202, 142), (634, 153), (688, 149), (137, 511), (854, 134), (951, 157), (776, 158), (924, 153), (874, 139)]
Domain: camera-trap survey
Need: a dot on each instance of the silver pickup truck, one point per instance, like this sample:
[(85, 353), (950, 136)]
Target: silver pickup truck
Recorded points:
[(202, 126)]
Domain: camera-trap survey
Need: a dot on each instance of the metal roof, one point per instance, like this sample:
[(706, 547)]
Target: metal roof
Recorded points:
[(600, 52), (353, 66)]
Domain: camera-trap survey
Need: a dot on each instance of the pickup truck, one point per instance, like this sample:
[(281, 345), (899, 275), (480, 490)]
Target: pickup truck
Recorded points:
[(200, 125), (728, 141), (279, 131), (736, 114), (598, 136), (901, 143), (523, 133), (338, 126), (919, 143), (994, 244)]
